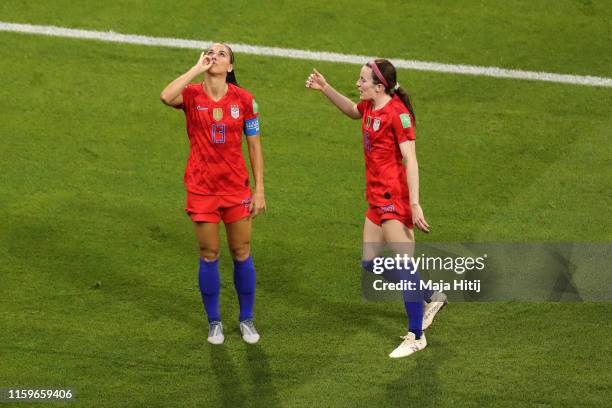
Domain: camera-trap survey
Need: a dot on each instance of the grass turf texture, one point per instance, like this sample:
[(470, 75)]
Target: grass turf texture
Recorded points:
[(566, 36), (92, 193)]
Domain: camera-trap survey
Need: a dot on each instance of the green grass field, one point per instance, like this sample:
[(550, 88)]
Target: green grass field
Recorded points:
[(98, 263)]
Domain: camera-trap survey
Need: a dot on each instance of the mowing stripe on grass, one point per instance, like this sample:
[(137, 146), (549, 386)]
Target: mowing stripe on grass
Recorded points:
[(111, 36)]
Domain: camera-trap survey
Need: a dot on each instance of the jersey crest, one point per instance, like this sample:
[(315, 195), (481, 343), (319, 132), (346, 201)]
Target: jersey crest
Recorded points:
[(376, 124), (218, 114), (235, 111)]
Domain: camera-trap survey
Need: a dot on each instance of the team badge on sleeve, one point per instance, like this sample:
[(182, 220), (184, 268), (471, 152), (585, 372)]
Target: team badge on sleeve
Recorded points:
[(405, 118), (255, 107), (376, 124), (235, 111), (218, 114)]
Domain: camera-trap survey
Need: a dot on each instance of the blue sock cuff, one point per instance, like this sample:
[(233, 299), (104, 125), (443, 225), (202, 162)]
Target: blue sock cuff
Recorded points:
[(204, 262), (247, 261), (418, 335)]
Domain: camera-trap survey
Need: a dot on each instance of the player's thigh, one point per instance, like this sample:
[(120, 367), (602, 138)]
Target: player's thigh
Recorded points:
[(395, 231), (207, 234), (373, 240), (399, 238), (239, 238)]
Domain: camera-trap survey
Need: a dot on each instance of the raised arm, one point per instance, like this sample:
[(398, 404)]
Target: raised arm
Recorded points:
[(408, 150), (317, 81), (171, 95)]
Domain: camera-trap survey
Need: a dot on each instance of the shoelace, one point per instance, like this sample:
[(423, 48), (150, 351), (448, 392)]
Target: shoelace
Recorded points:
[(215, 328), (249, 326), (413, 345)]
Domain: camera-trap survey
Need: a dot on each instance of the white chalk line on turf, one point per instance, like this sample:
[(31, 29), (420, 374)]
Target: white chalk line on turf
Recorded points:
[(111, 36)]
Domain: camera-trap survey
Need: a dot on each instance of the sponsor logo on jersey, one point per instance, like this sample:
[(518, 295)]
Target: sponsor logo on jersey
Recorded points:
[(201, 108), (376, 124), (235, 111), (405, 118), (218, 114), (368, 120)]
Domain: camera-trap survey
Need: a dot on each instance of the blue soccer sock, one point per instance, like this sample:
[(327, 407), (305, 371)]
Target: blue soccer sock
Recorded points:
[(244, 282), (210, 286), (427, 293), (415, 317), (413, 299), (413, 303), (368, 266)]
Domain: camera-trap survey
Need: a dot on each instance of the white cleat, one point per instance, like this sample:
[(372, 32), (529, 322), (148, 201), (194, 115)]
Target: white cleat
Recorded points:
[(409, 346), (438, 301), (249, 333), (215, 333)]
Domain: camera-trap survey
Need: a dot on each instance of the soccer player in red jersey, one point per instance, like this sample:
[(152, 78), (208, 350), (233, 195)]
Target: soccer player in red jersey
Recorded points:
[(392, 188), (218, 112)]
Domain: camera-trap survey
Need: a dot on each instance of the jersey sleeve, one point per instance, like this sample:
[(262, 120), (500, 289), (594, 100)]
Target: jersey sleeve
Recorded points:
[(188, 94), (362, 106), (403, 126), (251, 115)]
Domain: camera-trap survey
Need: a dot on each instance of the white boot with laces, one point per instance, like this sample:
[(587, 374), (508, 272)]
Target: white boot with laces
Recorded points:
[(409, 346)]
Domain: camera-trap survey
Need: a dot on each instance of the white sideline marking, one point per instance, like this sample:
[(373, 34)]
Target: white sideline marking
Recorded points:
[(111, 36)]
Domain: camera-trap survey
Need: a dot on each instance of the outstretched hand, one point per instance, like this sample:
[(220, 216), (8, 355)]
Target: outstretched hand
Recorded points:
[(316, 81)]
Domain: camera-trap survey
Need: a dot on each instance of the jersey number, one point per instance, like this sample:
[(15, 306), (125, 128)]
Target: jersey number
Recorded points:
[(218, 133)]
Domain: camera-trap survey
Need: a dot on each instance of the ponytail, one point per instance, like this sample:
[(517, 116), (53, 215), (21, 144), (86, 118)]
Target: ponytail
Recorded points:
[(383, 72), (405, 100), (231, 76)]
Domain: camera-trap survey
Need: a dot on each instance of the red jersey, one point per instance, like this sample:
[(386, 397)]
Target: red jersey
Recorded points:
[(216, 163), (383, 130)]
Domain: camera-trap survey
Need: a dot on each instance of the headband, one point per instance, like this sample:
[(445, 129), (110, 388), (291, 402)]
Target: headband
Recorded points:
[(378, 73)]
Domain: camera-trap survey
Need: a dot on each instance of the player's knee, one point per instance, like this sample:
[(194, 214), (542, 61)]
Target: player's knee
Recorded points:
[(240, 252), (209, 254)]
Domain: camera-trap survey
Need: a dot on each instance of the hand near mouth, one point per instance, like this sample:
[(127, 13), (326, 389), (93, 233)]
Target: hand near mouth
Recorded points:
[(204, 63)]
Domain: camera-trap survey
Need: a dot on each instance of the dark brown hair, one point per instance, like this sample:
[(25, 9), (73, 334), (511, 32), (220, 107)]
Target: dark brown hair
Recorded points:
[(231, 76), (387, 70)]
